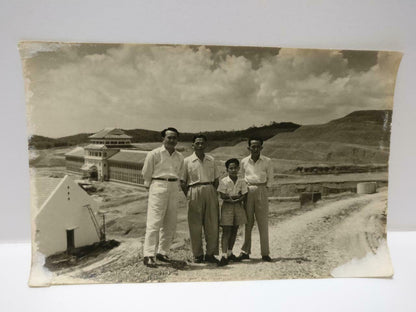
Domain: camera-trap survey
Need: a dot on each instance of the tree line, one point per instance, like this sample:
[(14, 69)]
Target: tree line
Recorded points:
[(141, 135)]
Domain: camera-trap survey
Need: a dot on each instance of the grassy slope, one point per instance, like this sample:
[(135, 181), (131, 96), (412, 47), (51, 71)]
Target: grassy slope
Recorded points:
[(360, 137)]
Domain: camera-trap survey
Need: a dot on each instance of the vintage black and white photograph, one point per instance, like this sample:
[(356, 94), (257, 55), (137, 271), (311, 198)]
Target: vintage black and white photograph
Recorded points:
[(188, 163)]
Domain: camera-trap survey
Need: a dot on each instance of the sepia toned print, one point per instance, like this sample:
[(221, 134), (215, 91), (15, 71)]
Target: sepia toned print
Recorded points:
[(207, 163)]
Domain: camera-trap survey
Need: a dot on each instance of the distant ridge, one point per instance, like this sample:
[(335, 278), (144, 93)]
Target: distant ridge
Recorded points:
[(216, 138), (359, 137)]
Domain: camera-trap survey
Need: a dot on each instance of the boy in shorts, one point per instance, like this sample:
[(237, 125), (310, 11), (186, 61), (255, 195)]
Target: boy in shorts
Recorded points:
[(233, 192)]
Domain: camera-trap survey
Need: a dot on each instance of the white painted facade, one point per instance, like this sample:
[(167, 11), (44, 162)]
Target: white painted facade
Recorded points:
[(65, 209)]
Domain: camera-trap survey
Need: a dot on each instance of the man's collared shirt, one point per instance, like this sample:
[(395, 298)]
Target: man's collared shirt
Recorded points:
[(257, 172), (228, 187), (197, 171), (160, 164)]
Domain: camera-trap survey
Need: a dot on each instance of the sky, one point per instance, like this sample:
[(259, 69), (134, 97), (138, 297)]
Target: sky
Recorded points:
[(78, 88)]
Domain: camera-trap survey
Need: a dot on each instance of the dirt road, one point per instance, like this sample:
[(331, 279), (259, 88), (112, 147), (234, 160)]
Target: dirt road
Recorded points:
[(304, 242), (308, 244)]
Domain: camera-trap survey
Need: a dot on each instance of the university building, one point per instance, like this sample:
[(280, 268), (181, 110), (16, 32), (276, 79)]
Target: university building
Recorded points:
[(109, 156)]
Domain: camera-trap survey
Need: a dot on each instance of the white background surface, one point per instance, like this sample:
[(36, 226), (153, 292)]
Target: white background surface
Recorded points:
[(364, 24), (349, 295)]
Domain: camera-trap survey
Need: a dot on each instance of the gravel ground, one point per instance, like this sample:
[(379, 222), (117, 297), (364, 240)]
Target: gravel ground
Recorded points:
[(309, 244), (305, 243)]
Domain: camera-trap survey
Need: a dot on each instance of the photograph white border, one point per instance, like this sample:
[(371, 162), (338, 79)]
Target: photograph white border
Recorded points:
[(381, 25)]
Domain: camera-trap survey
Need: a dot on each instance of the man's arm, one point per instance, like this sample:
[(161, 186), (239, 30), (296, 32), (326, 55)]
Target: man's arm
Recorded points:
[(148, 168), (242, 170), (216, 175), (270, 175), (184, 177), (216, 183)]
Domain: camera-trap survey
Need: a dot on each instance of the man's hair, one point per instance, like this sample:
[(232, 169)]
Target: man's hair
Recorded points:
[(163, 132), (232, 161), (255, 139), (199, 136)]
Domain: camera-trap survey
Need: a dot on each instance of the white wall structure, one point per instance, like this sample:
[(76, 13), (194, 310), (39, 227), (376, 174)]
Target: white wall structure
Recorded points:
[(65, 209)]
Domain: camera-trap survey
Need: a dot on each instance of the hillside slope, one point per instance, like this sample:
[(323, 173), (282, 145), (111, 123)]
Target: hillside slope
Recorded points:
[(371, 128), (360, 137)]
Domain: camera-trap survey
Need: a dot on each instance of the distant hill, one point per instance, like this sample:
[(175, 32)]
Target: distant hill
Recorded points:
[(360, 137), (41, 142), (370, 127), (216, 138), (143, 135)]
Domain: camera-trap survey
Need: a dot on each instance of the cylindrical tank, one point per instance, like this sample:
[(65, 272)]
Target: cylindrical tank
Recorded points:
[(366, 187)]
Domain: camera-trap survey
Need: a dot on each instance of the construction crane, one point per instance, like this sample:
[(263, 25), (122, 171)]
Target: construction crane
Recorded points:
[(100, 230)]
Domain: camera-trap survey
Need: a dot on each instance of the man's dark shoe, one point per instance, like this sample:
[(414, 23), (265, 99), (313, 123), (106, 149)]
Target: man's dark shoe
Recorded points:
[(149, 262), (266, 258), (211, 259), (232, 257), (243, 256), (162, 258), (223, 261), (199, 259)]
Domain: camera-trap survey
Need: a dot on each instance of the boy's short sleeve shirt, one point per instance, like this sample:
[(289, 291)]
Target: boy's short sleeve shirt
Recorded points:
[(227, 186)]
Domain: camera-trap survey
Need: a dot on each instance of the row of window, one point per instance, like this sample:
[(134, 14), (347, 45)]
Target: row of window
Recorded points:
[(79, 162), (97, 154), (111, 142), (125, 166), (115, 173), (126, 176)]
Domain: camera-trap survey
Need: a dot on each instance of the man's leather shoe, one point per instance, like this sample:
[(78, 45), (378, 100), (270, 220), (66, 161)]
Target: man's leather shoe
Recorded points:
[(266, 258), (223, 261), (149, 262), (243, 256), (162, 258), (211, 259), (199, 259), (232, 257)]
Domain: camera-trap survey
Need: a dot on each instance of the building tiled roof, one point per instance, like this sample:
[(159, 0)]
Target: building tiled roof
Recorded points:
[(129, 156), (110, 133), (77, 152), (96, 146)]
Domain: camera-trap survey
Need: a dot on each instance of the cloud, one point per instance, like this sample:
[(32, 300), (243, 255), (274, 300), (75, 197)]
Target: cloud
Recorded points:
[(313, 86), (196, 88)]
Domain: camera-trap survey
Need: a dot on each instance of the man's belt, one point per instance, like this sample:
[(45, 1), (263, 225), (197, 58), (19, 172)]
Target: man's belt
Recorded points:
[(166, 179), (201, 183), (258, 184)]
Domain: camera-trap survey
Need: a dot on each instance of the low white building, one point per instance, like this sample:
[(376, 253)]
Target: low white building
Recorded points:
[(66, 220)]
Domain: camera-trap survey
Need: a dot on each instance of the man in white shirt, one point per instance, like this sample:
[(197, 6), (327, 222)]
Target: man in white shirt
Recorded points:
[(201, 178), (162, 170), (257, 171)]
